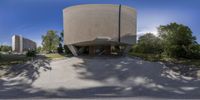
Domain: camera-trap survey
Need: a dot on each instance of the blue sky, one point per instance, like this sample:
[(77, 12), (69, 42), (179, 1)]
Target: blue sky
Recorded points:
[(32, 18)]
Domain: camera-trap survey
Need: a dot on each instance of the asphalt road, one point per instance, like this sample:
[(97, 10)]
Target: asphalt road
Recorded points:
[(97, 78)]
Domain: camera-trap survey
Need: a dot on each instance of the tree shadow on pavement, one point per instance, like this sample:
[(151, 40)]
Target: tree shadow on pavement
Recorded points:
[(123, 76), (31, 69), (136, 77)]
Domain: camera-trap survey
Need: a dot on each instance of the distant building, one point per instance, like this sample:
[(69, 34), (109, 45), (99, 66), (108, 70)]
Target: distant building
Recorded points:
[(99, 27), (20, 44)]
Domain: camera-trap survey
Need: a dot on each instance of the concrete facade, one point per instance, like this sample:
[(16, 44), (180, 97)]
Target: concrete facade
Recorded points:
[(99, 24), (20, 44)]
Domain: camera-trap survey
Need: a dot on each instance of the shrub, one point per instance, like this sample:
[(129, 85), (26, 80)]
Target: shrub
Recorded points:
[(6, 48), (31, 53), (193, 52)]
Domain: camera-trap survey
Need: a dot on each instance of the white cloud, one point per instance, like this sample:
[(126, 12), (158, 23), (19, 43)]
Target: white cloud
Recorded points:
[(143, 30), (38, 42)]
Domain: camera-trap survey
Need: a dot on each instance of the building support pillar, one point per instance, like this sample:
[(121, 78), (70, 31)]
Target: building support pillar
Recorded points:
[(73, 50)]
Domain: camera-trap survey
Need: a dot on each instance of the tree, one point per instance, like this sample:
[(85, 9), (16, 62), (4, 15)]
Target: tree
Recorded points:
[(6, 48), (31, 53), (60, 47), (50, 41), (39, 49), (149, 43), (193, 51), (177, 39)]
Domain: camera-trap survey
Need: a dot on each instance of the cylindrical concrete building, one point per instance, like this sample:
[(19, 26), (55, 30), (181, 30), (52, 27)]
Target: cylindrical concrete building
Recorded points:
[(99, 26)]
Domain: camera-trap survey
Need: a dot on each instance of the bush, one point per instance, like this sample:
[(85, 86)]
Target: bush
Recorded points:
[(5, 48), (31, 53), (176, 51), (150, 57), (39, 49), (193, 52)]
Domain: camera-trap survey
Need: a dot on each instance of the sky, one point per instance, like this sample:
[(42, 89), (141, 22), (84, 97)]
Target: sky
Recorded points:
[(33, 18)]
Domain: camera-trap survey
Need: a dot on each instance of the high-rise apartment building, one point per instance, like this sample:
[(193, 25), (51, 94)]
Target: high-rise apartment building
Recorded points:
[(20, 44)]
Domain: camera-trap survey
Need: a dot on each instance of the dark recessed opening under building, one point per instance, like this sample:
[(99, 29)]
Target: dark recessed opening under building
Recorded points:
[(100, 50)]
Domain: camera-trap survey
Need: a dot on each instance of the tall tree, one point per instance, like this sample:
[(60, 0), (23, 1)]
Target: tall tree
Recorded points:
[(149, 43), (50, 41), (60, 47), (6, 48), (177, 39), (39, 49)]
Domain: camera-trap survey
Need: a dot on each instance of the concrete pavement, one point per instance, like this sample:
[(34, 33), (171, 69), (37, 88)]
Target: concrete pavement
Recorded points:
[(98, 77)]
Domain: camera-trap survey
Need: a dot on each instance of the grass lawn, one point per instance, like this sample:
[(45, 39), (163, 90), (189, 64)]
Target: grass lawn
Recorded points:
[(154, 57), (10, 59), (7, 60), (55, 56)]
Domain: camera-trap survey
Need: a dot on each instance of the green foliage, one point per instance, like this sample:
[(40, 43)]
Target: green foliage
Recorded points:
[(177, 40), (61, 38), (5, 48), (157, 57), (174, 41), (50, 41), (66, 49), (148, 43), (60, 47), (11, 59), (31, 53), (193, 51), (39, 49), (55, 56), (149, 57)]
